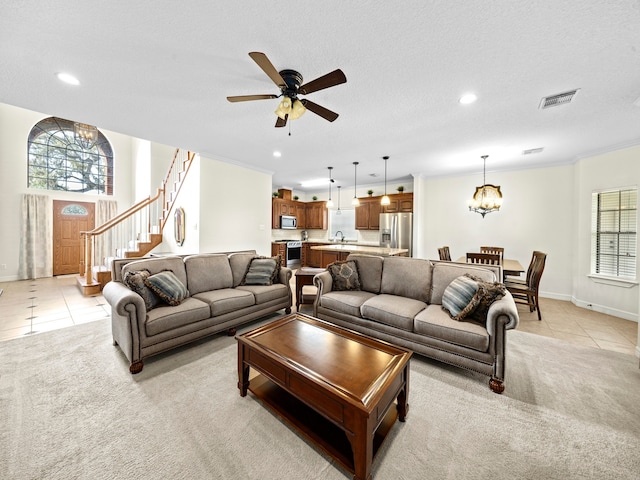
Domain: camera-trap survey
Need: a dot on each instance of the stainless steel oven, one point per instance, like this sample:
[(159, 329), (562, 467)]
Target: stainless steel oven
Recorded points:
[(294, 253)]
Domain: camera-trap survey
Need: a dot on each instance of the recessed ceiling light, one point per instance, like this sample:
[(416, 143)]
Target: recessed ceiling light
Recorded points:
[(468, 98), (68, 78), (277, 154)]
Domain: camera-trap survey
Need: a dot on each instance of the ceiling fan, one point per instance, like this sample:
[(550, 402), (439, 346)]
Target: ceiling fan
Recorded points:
[(290, 84)]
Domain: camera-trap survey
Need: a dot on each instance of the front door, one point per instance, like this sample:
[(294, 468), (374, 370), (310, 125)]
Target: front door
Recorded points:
[(69, 219)]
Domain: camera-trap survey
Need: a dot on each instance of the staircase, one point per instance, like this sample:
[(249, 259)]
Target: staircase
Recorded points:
[(133, 233)]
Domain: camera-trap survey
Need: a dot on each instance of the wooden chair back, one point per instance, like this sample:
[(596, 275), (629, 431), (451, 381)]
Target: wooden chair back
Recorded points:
[(494, 250), (534, 272), (444, 253), (484, 258)]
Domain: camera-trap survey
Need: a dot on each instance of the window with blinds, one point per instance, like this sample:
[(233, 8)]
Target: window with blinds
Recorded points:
[(614, 217)]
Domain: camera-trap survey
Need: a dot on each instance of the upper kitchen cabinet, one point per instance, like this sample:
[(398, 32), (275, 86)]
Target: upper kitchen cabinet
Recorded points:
[(280, 206), (368, 213), (316, 215), (401, 202), (301, 214)]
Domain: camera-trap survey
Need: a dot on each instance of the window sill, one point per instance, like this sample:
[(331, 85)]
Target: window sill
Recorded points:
[(616, 282)]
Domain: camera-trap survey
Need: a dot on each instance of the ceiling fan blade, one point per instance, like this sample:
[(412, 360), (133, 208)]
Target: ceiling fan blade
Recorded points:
[(265, 64), (319, 110), (329, 80), (280, 122), (247, 98)]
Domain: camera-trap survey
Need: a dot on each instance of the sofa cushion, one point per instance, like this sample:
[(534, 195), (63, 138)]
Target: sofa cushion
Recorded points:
[(239, 263), (436, 323), (207, 272), (262, 271), (369, 271), (392, 310), (407, 277), (167, 286), (165, 318), (445, 272), (460, 298), (344, 275), (267, 293), (225, 300), (347, 301), (135, 279)]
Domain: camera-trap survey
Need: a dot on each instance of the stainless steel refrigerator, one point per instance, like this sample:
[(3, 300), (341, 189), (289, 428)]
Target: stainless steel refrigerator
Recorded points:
[(396, 231)]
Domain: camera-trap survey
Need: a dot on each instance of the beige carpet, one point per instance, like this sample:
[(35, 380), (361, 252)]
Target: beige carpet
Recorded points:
[(69, 409)]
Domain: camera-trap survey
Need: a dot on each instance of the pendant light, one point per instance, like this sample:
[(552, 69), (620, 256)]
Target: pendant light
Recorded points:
[(330, 202), (355, 202), (338, 212), (385, 199), (487, 198)]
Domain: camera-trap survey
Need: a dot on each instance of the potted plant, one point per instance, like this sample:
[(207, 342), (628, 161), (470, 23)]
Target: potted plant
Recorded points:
[(400, 188), (315, 197), (370, 192), (296, 197), (275, 194)]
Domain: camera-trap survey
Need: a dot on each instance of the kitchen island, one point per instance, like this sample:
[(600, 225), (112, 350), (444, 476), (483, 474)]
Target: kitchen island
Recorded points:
[(340, 251)]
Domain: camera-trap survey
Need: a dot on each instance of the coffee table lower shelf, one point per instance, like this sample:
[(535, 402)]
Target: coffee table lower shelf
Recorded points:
[(322, 433)]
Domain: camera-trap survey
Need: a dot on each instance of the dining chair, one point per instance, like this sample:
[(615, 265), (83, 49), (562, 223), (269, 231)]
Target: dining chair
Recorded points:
[(444, 253), (494, 250), (484, 258), (525, 291)]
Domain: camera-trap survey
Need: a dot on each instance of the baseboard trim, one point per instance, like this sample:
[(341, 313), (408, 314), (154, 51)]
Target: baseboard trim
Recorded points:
[(606, 310)]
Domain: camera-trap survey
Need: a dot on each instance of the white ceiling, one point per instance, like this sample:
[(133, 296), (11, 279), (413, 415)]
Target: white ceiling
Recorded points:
[(161, 70)]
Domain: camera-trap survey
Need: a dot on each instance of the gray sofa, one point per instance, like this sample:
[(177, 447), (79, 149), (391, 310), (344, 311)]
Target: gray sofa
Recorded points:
[(400, 301), (216, 301)]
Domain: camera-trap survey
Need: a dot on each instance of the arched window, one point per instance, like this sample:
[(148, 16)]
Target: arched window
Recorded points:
[(58, 162)]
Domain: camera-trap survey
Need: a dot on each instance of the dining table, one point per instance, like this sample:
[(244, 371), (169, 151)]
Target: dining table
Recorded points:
[(510, 267)]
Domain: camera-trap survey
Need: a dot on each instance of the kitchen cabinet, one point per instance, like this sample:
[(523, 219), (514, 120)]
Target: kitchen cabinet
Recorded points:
[(316, 215), (301, 214), (280, 206), (400, 202), (311, 258), (279, 248), (368, 213), (330, 257)]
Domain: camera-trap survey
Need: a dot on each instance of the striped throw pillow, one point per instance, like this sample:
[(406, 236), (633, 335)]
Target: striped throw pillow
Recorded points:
[(167, 286), (459, 298)]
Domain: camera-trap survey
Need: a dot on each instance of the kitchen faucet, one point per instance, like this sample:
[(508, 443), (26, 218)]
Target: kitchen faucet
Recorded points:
[(341, 235)]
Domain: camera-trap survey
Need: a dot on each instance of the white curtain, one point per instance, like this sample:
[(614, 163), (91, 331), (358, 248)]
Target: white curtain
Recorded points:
[(105, 243), (36, 242)]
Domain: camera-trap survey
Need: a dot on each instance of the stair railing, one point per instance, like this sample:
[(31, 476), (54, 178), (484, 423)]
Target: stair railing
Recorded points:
[(147, 217)]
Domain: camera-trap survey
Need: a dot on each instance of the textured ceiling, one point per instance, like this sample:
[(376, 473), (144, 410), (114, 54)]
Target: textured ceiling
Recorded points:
[(161, 70)]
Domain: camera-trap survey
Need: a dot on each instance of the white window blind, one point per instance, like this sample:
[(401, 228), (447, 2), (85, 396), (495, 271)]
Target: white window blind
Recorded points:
[(614, 217)]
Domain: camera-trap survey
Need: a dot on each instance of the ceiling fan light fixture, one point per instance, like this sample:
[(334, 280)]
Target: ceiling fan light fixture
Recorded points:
[(284, 108), (297, 110)]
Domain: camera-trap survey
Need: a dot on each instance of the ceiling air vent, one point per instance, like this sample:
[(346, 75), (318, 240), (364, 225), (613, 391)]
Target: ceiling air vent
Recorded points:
[(559, 99), (531, 151)]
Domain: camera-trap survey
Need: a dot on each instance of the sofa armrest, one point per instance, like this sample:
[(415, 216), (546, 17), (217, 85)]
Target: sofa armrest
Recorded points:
[(124, 301), (324, 283), (285, 275), (502, 313)]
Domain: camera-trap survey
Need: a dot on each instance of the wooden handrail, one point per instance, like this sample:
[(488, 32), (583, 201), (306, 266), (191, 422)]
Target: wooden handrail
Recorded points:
[(124, 215), (190, 156)]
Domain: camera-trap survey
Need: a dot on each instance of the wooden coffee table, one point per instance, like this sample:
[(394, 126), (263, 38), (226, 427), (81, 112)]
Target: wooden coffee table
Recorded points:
[(334, 386)]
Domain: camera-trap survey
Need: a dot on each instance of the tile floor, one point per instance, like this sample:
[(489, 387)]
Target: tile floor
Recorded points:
[(33, 306)]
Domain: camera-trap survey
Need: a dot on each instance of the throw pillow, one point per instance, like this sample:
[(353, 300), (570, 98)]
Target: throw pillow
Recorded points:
[(487, 294), (459, 298), (262, 271), (345, 275), (167, 286), (135, 280)]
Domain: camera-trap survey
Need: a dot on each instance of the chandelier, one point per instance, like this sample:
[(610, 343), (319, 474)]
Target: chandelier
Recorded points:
[(85, 135), (486, 198)]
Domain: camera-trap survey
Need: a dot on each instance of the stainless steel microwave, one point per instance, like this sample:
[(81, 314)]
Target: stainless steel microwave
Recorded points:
[(288, 223)]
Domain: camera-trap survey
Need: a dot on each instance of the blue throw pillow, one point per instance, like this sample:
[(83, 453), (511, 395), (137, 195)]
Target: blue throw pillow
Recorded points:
[(167, 286), (459, 298), (262, 271)]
